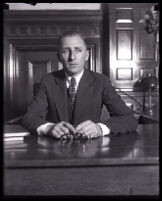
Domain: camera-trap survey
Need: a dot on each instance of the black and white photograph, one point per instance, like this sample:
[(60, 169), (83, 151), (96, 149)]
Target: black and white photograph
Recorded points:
[(81, 99)]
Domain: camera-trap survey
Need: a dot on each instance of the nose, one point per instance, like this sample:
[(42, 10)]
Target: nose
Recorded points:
[(72, 55)]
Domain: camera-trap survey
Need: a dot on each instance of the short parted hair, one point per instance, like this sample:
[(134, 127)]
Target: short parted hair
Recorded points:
[(70, 34)]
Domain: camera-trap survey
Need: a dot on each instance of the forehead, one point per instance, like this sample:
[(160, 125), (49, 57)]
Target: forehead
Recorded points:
[(72, 41)]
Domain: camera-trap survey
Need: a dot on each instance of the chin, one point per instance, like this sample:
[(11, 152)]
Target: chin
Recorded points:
[(73, 72)]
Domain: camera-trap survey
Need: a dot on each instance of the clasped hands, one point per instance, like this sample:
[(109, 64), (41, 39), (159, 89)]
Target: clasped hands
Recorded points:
[(64, 130)]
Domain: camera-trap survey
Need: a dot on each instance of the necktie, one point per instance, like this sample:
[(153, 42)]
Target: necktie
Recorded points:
[(72, 90)]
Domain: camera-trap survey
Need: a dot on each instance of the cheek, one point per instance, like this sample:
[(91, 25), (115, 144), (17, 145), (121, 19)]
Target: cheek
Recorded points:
[(64, 58), (83, 59)]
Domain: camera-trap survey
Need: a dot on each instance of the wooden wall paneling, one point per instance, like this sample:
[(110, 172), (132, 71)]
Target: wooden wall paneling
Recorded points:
[(105, 42), (146, 46), (146, 71), (124, 44), (124, 15), (6, 80), (12, 72), (54, 23), (131, 40), (124, 74), (131, 47), (94, 46), (31, 66), (122, 37)]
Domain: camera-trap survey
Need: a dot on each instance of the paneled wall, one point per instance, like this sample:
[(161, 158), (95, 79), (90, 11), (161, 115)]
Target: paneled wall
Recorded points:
[(132, 51)]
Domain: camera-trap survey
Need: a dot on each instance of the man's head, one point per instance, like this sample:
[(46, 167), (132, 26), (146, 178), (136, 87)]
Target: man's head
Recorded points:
[(73, 52)]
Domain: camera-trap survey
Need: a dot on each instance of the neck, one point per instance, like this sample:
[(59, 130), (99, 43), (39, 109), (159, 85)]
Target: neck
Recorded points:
[(73, 75)]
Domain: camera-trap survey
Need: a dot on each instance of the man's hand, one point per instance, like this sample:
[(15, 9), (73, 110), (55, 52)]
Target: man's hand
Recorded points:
[(60, 129), (89, 129)]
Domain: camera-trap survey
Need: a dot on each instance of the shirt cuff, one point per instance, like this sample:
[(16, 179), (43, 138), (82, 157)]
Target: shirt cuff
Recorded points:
[(104, 128), (43, 128)]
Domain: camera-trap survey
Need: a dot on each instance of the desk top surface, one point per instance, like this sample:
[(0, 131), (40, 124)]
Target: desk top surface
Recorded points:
[(141, 147)]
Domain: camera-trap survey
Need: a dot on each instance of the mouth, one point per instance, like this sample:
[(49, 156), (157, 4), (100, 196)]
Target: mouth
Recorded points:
[(73, 64)]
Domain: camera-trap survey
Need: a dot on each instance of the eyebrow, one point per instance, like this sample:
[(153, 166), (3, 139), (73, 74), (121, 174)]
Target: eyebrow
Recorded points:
[(74, 47)]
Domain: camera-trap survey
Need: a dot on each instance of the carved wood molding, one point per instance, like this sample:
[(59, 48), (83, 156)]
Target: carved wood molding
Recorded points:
[(51, 23), (53, 15), (50, 31)]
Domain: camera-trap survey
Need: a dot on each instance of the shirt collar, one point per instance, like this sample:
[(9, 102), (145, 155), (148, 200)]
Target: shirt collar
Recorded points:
[(77, 78)]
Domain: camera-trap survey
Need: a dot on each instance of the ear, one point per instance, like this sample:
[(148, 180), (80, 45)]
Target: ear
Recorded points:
[(87, 55), (59, 57)]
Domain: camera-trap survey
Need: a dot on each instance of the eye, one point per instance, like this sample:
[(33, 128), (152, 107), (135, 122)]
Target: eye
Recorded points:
[(64, 51), (78, 50)]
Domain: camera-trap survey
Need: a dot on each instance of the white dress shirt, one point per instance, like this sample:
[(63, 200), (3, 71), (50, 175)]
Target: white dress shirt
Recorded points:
[(42, 129)]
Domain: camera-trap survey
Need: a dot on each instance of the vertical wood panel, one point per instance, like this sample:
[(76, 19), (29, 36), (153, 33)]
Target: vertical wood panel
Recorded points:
[(6, 80), (124, 15), (146, 71), (37, 69), (146, 45), (11, 71), (124, 44), (33, 65), (124, 73), (40, 68)]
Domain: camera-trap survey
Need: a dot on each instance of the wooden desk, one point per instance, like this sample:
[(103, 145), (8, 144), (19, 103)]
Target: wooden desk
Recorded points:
[(126, 164)]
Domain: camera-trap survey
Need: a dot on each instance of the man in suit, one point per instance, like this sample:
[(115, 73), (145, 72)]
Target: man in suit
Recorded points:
[(54, 111)]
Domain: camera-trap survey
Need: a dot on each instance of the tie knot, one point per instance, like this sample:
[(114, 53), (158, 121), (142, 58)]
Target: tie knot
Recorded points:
[(73, 81)]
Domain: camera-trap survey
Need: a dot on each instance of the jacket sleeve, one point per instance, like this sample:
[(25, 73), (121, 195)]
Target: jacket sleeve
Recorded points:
[(37, 110), (122, 119)]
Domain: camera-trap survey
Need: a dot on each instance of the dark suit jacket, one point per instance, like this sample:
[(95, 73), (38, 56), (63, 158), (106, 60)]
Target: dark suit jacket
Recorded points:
[(94, 90)]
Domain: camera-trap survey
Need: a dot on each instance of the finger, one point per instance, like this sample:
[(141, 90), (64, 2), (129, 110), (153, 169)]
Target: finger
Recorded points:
[(88, 133), (61, 128), (63, 137), (82, 130), (70, 127), (91, 135), (54, 134), (90, 130), (83, 125), (59, 131), (64, 129), (90, 127)]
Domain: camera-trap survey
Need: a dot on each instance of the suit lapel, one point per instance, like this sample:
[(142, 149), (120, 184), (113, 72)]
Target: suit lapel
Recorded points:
[(84, 95), (60, 96)]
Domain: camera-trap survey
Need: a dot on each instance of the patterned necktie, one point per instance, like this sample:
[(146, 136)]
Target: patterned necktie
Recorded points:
[(72, 90)]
